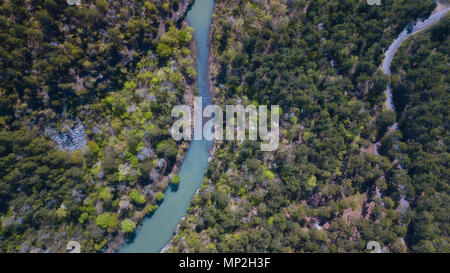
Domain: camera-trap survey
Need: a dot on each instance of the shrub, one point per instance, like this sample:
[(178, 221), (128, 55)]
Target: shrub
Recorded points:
[(175, 180), (137, 198), (167, 148), (159, 196), (128, 226), (107, 220), (269, 175)]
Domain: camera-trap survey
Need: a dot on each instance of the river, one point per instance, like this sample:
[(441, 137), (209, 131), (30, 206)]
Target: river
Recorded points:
[(157, 230)]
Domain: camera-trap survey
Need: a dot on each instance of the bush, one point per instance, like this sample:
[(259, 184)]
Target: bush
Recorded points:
[(137, 198), (128, 226), (107, 220), (150, 208), (167, 148), (163, 51), (269, 175), (159, 196), (311, 183), (105, 195), (175, 180)]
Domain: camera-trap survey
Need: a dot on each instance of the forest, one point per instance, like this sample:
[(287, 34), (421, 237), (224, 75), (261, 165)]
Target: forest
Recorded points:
[(111, 71), (421, 98), (326, 189), (114, 67)]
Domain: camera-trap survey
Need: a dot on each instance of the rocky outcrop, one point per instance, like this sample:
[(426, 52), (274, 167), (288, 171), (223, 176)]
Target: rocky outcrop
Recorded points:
[(70, 138)]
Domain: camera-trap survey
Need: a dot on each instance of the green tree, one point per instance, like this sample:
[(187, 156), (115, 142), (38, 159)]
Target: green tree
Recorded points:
[(128, 226), (136, 197), (164, 51), (107, 220), (159, 196), (167, 148), (175, 180)]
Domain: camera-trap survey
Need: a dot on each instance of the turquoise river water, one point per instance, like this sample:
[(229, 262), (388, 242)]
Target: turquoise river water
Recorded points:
[(157, 230)]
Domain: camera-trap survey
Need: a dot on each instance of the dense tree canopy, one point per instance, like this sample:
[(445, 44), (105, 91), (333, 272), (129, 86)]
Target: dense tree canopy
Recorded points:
[(340, 178), (325, 189), (421, 97)]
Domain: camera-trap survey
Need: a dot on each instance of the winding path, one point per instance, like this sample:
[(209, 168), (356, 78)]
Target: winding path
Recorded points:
[(386, 67), (157, 230)]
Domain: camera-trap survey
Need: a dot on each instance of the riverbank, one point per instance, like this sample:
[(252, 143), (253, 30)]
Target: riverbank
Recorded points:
[(157, 230), (116, 241)]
